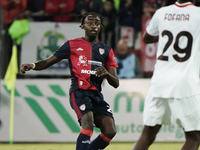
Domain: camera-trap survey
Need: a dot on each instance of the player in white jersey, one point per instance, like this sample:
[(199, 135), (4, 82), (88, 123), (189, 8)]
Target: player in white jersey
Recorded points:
[(175, 86)]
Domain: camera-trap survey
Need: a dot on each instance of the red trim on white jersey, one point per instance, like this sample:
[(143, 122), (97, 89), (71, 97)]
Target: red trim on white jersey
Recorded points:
[(183, 4)]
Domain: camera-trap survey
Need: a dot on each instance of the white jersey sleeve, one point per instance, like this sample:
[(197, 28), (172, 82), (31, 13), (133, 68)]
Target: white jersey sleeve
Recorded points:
[(176, 72), (152, 28)]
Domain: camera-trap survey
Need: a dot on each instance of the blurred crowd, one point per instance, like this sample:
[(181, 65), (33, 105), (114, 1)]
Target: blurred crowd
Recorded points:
[(116, 13)]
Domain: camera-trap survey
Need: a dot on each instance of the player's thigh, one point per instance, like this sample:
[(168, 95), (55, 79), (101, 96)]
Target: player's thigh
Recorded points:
[(194, 135), (102, 110), (87, 120), (186, 112), (151, 131), (105, 123), (103, 116)]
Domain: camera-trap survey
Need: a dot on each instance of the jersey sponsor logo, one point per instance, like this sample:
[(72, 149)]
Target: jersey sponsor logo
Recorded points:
[(82, 107), (88, 71), (82, 60), (97, 63), (101, 51), (79, 49)]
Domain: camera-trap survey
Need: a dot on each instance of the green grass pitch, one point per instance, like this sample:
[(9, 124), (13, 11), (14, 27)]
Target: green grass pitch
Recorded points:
[(71, 146)]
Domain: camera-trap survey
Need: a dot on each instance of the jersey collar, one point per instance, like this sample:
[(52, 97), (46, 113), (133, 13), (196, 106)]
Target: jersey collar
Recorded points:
[(183, 4), (87, 40)]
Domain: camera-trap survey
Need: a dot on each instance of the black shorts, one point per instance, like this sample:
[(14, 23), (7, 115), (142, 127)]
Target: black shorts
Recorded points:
[(84, 101)]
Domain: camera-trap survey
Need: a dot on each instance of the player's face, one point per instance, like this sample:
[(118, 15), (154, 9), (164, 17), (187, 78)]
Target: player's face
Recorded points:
[(92, 25)]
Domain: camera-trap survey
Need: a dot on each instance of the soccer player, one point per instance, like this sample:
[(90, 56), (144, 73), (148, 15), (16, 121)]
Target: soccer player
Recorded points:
[(90, 62), (175, 88)]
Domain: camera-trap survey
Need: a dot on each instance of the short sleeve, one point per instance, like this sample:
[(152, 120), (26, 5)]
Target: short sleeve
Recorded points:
[(63, 51), (152, 28), (111, 63)]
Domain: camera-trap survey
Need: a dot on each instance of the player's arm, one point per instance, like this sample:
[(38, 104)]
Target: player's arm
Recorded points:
[(112, 77), (40, 65), (110, 74), (63, 52), (149, 39)]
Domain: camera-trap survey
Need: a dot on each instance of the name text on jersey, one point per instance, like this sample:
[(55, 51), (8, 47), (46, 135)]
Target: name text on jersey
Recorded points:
[(177, 17)]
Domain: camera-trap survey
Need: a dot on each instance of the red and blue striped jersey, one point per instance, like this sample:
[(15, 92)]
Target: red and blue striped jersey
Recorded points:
[(84, 57)]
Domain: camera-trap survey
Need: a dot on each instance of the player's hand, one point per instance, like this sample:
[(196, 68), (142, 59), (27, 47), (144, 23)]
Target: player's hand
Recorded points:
[(26, 67), (101, 71)]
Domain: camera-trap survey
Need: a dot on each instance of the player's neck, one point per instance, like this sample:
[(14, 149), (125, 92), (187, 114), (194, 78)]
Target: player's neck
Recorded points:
[(183, 1), (92, 39)]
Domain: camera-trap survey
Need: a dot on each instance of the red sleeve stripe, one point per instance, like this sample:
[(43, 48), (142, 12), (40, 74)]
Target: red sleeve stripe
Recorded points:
[(87, 132), (111, 63)]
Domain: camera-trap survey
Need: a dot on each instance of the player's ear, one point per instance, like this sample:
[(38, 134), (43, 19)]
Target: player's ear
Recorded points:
[(82, 26)]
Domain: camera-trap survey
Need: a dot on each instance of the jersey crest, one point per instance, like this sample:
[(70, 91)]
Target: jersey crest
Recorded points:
[(82, 60)]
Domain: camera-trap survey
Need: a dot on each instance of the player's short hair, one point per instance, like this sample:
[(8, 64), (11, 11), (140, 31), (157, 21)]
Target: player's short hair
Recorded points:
[(83, 16)]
